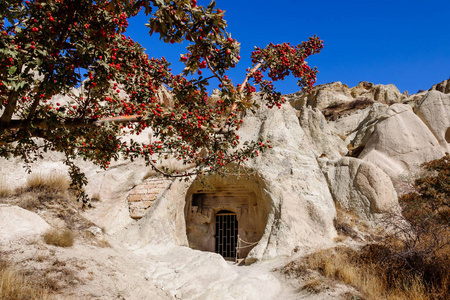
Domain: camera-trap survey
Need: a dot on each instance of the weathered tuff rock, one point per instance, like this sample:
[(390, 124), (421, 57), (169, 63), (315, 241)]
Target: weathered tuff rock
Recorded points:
[(325, 141), (350, 126), (400, 142), (357, 138), (434, 111), (109, 186), (361, 187), (321, 96), (294, 204), (443, 87), (17, 223), (334, 94), (387, 94), (287, 196), (374, 126)]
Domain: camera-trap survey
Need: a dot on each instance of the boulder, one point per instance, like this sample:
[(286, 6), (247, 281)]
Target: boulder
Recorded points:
[(17, 223), (434, 111), (361, 187), (400, 142)]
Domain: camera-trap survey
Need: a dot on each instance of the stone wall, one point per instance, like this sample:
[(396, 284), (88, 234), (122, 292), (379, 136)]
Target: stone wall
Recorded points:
[(143, 195)]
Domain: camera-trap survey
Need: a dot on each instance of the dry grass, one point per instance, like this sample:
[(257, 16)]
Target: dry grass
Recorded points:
[(380, 272), (15, 286), (51, 194), (59, 237), (51, 182), (5, 190), (313, 286), (348, 224)]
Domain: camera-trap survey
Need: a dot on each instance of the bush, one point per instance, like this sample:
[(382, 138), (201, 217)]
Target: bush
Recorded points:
[(56, 237), (429, 205)]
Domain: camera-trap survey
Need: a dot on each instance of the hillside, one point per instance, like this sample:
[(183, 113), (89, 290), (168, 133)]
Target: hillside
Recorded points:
[(325, 191)]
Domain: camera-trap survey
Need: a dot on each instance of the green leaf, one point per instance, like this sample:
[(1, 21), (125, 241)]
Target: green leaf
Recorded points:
[(12, 70)]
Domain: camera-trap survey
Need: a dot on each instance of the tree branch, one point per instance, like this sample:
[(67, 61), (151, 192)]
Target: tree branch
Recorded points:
[(78, 122)]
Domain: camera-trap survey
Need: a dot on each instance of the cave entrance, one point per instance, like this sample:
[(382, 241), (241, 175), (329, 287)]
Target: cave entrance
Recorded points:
[(226, 238), (220, 211)]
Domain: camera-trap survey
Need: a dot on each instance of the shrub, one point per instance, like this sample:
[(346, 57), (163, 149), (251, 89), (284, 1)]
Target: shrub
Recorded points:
[(429, 204), (60, 238)]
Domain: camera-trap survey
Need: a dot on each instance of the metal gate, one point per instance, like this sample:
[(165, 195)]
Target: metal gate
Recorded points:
[(226, 234)]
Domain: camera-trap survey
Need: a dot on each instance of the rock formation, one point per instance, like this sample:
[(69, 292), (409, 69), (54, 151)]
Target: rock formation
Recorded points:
[(17, 223), (361, 187), (400, 142), (322, 96), (285, 198), (443, 87), (386, 94), (288, 204), (434, 111)]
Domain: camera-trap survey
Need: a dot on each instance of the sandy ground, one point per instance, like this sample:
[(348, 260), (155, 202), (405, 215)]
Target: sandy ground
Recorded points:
[(88, 271)]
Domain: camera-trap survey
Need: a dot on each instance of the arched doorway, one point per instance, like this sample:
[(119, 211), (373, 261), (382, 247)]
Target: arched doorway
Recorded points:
[(226, 237)]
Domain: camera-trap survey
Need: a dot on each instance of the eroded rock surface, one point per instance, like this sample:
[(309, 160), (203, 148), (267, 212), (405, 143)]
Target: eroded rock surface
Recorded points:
[(361, 187), (325, 140), (401, 142), (387, 94), (434, 111), (17, 223), (321, 96), (299, 208), (443, 87)]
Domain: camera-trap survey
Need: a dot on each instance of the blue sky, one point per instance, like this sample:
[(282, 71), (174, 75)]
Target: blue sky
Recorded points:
[(406, 43)]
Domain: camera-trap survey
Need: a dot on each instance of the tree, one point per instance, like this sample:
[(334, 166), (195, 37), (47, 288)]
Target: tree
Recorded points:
[(50, 47)]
